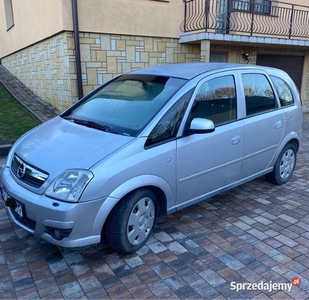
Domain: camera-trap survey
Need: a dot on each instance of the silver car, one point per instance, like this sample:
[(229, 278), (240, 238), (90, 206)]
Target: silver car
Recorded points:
[(148, 143)]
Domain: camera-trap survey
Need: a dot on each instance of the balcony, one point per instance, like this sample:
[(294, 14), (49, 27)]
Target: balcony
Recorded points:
[(251, 18)]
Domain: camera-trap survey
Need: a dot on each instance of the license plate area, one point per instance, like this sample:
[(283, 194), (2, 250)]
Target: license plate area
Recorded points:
[(12, 203)]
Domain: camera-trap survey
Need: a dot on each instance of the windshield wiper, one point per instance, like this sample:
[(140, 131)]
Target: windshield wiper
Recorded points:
[(92, 124)]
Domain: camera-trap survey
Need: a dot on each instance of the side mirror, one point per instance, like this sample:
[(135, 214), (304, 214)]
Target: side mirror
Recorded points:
[(201, 125)]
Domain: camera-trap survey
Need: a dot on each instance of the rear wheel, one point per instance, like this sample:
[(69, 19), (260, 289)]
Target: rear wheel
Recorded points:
[(130, 223), (284, 165)]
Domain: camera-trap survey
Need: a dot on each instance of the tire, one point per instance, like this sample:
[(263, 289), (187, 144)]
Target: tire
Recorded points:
[(284, 165), (130, 223)]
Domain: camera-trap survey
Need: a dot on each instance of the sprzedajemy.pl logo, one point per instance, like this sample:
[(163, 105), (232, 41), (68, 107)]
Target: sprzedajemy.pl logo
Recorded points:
[(265, 286)]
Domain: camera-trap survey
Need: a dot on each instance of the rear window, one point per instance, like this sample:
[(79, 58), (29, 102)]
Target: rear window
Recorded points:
[(283, 90)]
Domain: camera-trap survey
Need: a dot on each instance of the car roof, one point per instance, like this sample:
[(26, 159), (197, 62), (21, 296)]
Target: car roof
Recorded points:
[(190, 70)]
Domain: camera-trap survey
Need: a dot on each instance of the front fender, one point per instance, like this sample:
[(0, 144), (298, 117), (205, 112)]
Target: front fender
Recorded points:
[(142, 181), (127, 187)]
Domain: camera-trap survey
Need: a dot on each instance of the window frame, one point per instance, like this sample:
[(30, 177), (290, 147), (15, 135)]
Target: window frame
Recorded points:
[(9, 14)]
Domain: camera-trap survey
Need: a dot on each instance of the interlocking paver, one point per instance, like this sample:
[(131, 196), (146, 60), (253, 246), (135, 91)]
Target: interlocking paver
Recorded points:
[(205, 290), (292, 253), (212, 277), (273, 243), (231, 262), (160, 289)]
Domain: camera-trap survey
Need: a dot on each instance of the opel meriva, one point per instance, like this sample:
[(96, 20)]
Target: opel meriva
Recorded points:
[(148, 143)]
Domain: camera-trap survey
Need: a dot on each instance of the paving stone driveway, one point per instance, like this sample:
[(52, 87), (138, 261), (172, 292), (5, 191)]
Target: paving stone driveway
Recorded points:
[(257, 233)]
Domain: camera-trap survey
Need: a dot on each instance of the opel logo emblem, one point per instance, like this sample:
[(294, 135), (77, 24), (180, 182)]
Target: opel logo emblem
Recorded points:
[(21, 170)]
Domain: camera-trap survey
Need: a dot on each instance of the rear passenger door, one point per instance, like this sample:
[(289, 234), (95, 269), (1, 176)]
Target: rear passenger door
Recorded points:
[(264, 123)]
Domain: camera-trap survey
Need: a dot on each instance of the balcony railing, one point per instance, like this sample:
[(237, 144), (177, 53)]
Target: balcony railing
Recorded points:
[(251, 17)]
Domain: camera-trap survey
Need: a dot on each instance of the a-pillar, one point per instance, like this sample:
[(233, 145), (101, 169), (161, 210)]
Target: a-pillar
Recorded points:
[(205, 50)]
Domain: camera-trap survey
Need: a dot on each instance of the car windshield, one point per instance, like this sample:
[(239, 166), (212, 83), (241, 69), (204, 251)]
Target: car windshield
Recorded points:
[(126, 104)]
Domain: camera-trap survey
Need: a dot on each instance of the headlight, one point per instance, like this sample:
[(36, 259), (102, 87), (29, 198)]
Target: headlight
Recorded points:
[(69, 185)]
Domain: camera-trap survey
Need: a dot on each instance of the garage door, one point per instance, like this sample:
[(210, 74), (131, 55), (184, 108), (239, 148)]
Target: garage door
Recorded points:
[(293, 65)]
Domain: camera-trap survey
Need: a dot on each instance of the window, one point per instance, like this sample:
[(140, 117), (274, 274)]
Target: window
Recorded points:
[(283, 90), (126, 104), (216, 100), (218, 57), (258, 93), (168, 126), (257, 6), (9, 14)]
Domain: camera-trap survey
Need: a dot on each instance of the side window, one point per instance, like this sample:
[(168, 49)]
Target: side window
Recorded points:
[(258, 93), (283, 90), (216, 100), (168, 126)]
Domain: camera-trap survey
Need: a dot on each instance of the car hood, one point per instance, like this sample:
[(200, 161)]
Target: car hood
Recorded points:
[(59, 144)]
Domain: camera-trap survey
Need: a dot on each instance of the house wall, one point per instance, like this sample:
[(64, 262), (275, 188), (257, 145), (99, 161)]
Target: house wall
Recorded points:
[(48, 67), (41, 19), (105, 56), (132, 17), (33, 22)]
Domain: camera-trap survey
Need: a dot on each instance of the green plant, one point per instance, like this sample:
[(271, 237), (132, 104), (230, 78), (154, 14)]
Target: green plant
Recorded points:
[(14, 119)]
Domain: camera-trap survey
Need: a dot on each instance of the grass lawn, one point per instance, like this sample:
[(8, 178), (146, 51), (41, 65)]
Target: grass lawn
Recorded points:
[(14, 119)]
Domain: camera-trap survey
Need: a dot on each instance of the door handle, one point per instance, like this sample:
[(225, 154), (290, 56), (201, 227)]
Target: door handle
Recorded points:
[(278, 124), (236, 140)]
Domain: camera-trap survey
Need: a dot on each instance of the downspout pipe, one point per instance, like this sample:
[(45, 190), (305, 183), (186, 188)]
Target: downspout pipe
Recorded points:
[(77, 49)]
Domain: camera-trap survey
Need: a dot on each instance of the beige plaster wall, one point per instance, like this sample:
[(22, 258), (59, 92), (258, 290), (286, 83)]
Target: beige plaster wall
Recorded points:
[(36, 20), (132, 17)]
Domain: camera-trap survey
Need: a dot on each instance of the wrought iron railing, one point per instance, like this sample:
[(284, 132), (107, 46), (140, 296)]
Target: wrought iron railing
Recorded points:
[(247, 17)]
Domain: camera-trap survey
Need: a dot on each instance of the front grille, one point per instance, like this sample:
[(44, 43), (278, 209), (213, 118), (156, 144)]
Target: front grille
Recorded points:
[(28, 174)]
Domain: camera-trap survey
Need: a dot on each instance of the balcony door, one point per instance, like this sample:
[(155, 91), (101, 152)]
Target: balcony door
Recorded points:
[(222, 16), (256, 6)]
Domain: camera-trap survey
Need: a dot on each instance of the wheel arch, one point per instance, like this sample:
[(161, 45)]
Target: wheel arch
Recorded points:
[(285, 164), (293, 138), (295, 142), (159, 194), (158, 185)]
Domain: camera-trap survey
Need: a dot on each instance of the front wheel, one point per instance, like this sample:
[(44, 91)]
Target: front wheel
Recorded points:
[(284, 165), (130, 223)]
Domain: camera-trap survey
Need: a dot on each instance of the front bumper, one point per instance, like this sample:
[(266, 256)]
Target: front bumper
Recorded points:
[(60, 223)]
